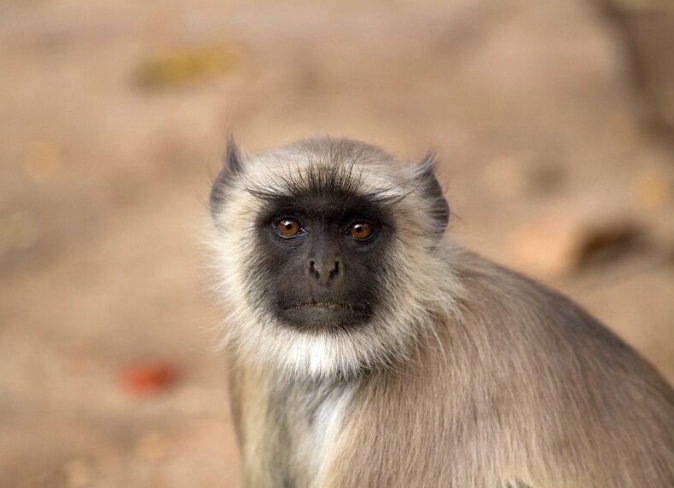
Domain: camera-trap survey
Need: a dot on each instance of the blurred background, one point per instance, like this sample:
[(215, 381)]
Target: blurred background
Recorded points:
[(553, 121)]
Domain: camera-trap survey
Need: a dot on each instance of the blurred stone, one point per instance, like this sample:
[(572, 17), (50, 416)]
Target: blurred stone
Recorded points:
[(557, 246), (512, 176), (182, 66), (606, 242)]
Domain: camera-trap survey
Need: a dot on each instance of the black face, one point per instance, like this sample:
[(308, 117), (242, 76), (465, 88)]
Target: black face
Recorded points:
[(324, 259)]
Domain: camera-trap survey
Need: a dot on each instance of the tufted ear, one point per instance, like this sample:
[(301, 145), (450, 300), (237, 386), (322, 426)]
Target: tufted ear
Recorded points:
[(232, 158), (428, 186), (233, 167)]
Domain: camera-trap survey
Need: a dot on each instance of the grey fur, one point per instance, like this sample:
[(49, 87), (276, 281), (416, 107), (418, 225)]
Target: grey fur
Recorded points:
[(477, 377)]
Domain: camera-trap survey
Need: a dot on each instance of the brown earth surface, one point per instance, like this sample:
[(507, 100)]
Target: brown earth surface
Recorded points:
[(113, 115)]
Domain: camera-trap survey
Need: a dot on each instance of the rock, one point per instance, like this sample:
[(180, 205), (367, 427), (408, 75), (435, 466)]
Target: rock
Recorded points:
[(511, 176), (557, 246)]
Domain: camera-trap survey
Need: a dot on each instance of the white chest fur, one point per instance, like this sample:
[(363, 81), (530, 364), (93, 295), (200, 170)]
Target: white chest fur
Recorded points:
[(328, 421)]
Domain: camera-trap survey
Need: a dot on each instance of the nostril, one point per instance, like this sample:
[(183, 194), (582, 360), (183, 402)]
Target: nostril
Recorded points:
[(324, 272)]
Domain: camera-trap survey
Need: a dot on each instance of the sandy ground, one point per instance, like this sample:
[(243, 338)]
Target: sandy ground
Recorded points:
[(113, 116)]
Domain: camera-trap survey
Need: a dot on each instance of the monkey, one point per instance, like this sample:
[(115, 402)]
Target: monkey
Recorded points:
[(367, 349)]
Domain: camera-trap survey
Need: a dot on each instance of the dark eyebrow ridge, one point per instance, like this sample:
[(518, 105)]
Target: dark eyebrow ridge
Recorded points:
[(341, 180)]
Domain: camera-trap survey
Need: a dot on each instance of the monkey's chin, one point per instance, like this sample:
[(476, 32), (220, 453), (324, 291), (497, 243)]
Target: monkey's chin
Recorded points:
[(324, 317)]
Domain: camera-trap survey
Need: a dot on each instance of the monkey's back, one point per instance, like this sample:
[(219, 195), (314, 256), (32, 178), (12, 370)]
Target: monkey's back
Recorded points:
[(524, 389)]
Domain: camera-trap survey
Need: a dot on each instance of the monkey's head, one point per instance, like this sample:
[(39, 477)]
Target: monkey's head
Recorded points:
[(328, 253)]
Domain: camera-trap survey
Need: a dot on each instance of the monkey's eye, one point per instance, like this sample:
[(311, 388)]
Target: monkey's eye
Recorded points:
[(360, 231), (287, 227)]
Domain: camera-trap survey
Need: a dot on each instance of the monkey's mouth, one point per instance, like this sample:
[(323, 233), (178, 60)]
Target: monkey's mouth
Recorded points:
[(324, 315), (327, 305)]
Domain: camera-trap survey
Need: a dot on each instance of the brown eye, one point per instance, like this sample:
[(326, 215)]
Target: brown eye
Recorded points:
[(288, 227), (360, 230)]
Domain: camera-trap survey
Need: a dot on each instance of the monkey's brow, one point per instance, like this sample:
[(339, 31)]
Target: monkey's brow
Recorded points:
[(341, 180)]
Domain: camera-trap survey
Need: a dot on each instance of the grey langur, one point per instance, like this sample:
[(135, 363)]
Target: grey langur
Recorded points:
[(367, 350)]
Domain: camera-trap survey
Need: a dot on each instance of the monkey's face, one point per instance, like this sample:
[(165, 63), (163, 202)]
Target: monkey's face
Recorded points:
[(322, 259), (327, 254)]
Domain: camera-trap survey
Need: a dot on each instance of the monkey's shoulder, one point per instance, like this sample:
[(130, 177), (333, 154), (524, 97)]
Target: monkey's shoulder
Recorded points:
[(516, 313)]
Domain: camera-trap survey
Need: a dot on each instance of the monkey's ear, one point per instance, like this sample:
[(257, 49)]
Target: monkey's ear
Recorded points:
[(428, 186), (232, 168), (232, 158)]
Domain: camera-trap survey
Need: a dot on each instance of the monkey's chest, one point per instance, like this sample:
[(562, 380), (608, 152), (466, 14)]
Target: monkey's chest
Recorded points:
[(311, 425)]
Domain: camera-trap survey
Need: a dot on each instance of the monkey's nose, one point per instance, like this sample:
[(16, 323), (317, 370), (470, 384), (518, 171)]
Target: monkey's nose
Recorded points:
[(325, 272)]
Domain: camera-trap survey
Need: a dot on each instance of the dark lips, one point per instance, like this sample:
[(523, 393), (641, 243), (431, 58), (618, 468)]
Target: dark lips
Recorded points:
[(325, 315), (327, 305)]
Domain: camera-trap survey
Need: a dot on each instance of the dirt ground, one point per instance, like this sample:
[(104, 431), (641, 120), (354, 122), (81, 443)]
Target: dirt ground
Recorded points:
[(113, 116)]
